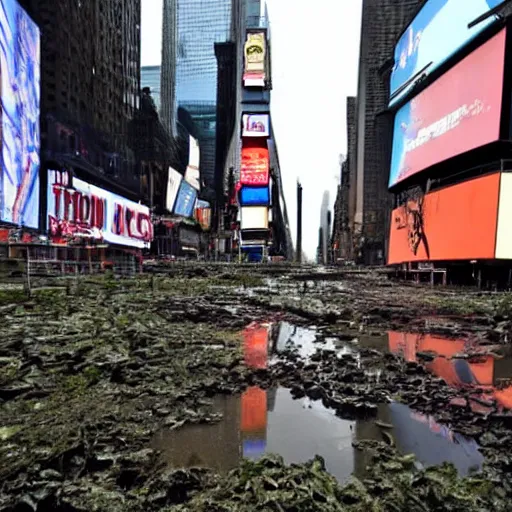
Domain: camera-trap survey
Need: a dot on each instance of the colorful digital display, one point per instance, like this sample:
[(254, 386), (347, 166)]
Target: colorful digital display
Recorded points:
[(453, 223), (438, 31), (457, 113), (255, 50), (186, 200), (254, 167), (254, 196), (20, 99), (77, 209), (255, 125)]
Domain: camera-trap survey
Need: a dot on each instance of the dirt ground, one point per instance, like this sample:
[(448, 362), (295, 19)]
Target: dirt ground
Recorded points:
[(91, 368)]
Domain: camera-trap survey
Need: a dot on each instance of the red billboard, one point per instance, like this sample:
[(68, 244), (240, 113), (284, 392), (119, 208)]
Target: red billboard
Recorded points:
[(255, 166), (459, 112), (454, 223)]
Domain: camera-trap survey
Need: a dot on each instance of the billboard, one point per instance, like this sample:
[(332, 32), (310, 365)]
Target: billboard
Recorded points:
[(186, 200), (254, 196), (20, 99), (203, 214), (454, 223), (255, 50), (455, 114), (173, 186), (254, 166), (437, 32), (192, 172), (256, 125), (77, 209), (254, 217)]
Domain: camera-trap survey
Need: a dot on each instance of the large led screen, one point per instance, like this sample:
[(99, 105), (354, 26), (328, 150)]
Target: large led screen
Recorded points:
[(77, 209), (254, 196), (438, 31), (20, 95), (186, 200), (255, 166), (460, 111)]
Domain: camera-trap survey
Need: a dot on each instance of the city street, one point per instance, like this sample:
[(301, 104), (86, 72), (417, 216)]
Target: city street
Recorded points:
[(240, 388)]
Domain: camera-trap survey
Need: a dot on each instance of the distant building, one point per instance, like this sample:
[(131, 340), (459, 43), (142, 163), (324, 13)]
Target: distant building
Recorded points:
[(382, 22), (150, 77)]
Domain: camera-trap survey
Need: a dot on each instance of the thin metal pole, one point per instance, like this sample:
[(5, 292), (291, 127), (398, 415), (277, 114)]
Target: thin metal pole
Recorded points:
[(299, 223)]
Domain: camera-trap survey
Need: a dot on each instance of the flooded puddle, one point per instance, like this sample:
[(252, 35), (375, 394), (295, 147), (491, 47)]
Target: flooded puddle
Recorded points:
[(271, 421), (462, 364), (262, 341)]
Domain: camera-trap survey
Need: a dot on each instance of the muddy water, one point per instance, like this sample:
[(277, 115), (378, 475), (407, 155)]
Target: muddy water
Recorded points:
[(271, 421)]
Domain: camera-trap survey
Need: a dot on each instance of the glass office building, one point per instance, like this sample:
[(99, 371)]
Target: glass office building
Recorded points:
[(150, 77)]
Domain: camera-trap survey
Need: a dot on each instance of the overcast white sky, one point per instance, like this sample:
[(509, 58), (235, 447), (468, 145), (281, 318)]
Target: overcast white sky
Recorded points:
[(315, 48)]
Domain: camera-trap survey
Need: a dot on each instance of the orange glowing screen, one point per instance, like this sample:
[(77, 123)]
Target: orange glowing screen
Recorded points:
[(254, 410), (256, 346), (454, 223), (254, 169)]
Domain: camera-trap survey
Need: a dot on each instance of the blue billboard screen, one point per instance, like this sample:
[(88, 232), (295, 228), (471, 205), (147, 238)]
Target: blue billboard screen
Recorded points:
[(20, 97), (186, 200), (254, 196), (437, 32)]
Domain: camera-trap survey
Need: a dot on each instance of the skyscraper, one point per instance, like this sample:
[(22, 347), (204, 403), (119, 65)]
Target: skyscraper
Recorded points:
[(90, 79), (168, 69), (150, 77), (193, 27), (382, 22)]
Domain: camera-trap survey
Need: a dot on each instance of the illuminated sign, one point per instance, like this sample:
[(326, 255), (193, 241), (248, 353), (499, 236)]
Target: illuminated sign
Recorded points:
[(186, 200), (254, 196), (173, 186), (438, 31), (254, 166), (20, 99), (255, 57), (192, 172), (254, 217), (455, 114), (256, 125), (78, 209)]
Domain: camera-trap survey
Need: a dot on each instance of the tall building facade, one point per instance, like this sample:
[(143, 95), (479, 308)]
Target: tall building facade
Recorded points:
[(90, 81), (382, 23), (150, 77), (168, 69)]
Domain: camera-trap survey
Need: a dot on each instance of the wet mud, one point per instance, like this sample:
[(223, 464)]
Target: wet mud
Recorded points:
[(214, 388)]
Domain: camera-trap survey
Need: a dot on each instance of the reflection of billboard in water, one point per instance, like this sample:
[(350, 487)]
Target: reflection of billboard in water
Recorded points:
[(20, 95)]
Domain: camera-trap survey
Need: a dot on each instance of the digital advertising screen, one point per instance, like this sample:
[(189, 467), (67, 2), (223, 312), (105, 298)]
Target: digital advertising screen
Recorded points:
[(255, 125), (254, 196), (192, 174), (173, 186), (185, 203), (457, 113), (254, 217), (438, 31), (78, 209), (20, 99), (254, 166)]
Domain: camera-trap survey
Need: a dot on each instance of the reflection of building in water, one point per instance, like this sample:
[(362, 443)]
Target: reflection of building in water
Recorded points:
[(368, 430), (254, 400), (215, 446), (430, 442)]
